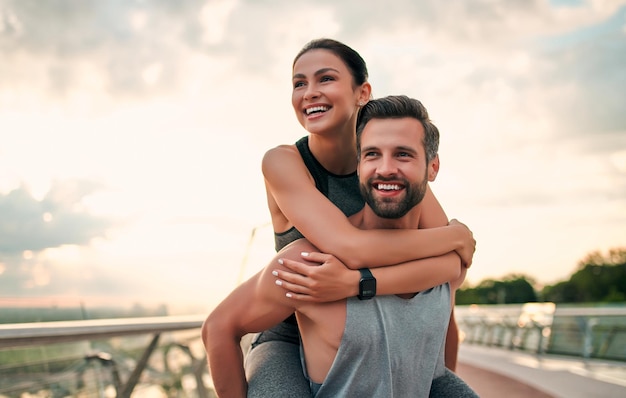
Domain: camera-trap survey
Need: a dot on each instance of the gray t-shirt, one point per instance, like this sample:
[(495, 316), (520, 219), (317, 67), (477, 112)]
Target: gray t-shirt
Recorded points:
[(391, 347)]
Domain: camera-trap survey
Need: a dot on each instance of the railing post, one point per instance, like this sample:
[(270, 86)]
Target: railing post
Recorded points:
[(141, 365), (198, 370), (107, 360), (589, 324), (198, 366)]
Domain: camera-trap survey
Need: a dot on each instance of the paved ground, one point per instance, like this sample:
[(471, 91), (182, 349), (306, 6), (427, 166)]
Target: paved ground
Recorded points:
[(493, 385), (496, 372)]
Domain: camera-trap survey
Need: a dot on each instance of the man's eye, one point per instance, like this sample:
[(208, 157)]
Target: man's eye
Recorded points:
[(370, 154)]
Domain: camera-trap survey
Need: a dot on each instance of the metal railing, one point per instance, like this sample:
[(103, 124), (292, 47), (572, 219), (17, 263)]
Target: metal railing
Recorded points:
[(544, 328), (180, 330)]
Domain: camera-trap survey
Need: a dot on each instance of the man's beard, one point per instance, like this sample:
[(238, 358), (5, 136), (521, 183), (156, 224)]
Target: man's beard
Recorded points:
[(391, 207)]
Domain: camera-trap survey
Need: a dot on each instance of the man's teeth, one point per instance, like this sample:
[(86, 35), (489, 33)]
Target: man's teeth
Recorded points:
[(389, 187), (316, 109)]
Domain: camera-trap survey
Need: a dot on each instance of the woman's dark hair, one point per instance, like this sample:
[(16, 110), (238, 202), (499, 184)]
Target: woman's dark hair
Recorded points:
[(351, 58)]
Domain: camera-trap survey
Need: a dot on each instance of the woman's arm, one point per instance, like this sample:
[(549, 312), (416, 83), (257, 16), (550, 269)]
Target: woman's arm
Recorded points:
[(331, 280), (323, 224), (255, 305)]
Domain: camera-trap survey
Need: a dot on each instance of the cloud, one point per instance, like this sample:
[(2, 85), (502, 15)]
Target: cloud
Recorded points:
[(40, 276), (32, 231), (163, 99), (588, 84), (28, 224), (124, 41)]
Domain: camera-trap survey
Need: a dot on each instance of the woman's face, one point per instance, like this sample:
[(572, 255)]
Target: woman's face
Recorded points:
[(324, 97)]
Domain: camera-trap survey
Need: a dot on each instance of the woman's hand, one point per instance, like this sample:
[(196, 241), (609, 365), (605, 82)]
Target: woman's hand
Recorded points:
[(468, 246), (329, 280)]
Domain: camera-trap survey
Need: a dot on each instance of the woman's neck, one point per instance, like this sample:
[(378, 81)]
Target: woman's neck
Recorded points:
[(337, 154)]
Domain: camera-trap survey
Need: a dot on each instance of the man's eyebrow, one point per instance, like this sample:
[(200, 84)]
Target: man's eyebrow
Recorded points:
[(368, 148), (398, 148), (406, 149), (317, 73)]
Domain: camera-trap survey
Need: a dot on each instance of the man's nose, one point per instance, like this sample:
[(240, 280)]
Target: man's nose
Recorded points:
[(387, 166)]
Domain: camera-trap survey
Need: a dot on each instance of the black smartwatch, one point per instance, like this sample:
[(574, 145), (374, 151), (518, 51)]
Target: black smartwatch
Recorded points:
[(367, 284)]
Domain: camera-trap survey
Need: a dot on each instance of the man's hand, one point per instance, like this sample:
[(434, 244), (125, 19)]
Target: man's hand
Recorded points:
[(468, 246), (329, 281)]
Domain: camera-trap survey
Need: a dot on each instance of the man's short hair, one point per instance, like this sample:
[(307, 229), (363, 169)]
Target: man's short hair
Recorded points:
[(395, 107)]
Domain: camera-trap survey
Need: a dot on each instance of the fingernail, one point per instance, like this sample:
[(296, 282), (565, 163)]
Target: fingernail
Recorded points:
[(289, 295), (304, 254), (275, 273), (279, 282), (280, 261)]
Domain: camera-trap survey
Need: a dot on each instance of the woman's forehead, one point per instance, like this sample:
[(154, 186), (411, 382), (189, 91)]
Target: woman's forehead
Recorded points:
[(318, 59)]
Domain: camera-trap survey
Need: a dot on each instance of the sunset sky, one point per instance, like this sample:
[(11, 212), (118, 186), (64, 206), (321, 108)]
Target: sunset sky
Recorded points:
[(131, 133)]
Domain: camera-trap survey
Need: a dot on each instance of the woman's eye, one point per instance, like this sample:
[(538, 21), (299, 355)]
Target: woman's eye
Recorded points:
[(326, 78), (298, 84)]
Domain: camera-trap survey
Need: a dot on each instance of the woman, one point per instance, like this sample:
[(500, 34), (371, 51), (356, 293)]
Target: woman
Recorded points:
[(329, 86)]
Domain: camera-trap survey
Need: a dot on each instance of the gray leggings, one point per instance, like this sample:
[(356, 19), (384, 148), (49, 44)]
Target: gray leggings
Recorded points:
[(274, 370)]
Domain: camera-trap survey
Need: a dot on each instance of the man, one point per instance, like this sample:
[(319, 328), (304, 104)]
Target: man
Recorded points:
[(382, 347)]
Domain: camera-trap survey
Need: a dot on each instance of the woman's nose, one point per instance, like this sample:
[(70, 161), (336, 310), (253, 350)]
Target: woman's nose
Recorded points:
[(312, 92)]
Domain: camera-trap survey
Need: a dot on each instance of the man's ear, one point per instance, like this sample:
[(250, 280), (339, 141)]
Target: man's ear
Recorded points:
[(433, 168)]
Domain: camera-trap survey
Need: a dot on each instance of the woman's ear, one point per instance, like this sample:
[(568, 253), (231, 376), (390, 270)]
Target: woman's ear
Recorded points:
[(365, 93), (433, 168)]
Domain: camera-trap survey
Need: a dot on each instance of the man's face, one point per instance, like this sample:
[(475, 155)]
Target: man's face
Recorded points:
[(393, 173)]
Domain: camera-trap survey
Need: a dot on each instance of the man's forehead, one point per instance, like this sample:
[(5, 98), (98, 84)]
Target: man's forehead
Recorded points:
[(406, 131)]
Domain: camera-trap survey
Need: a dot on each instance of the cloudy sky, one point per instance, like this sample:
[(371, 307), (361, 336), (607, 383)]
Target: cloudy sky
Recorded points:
[(131, 132)]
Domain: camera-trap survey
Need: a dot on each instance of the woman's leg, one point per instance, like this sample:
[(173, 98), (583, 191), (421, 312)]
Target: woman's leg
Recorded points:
[(451, 386), (273, 366)]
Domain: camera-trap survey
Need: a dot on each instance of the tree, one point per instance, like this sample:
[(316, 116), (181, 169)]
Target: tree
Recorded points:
[(512, 289), (599, 278)]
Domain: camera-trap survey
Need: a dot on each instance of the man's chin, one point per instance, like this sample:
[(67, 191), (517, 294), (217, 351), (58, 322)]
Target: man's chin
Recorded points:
[(390, 213)]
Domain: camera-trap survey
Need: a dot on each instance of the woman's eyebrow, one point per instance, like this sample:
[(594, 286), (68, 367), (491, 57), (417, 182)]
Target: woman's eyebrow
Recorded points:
[(317, 73)]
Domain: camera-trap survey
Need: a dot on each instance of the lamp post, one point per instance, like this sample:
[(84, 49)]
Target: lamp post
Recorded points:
[(246, 254)]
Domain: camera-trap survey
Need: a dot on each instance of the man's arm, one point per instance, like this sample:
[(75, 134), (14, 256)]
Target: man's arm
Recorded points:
[(452, 336), (434, 216), (452, 343), (254, 306)]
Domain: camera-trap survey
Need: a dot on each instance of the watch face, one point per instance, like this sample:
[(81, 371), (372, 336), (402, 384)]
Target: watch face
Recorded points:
[(368, 288)]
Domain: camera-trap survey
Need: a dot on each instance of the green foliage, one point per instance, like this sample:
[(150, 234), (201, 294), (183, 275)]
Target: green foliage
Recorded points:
[(599, 278), (513, 289)]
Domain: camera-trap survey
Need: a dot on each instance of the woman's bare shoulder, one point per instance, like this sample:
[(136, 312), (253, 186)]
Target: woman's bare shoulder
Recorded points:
[(280, 151), (281, 158)]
